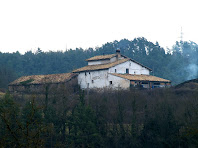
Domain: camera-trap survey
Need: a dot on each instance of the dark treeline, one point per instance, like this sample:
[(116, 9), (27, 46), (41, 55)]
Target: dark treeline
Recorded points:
[(177, 64), (137, 118)]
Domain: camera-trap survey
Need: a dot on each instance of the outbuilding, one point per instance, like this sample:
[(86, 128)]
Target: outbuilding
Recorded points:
[(42, 83)]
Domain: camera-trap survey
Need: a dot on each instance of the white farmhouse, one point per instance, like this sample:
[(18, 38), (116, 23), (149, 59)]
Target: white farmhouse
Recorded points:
[(117, 71), (104, 71)]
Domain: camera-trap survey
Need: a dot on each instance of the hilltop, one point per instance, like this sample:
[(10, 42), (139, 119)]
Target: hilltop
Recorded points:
[(190, 84)]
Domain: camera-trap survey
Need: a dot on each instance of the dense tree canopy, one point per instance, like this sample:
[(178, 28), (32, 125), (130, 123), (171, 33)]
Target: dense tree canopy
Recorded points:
[(158, 118)]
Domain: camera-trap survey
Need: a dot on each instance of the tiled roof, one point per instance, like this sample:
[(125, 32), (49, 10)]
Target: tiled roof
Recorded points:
[(101, 57), (109, 56), (101, 66), (43, 79), (141, 77)]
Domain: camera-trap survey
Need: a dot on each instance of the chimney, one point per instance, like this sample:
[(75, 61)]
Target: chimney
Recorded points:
[(118, 53)]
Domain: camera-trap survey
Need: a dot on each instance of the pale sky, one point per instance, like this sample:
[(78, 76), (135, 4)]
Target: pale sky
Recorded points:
[(59, 24)]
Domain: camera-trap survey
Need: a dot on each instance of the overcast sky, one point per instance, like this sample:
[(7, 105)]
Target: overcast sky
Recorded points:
[(59, 24)]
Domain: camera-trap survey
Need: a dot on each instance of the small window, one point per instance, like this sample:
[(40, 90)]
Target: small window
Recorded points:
[(127, 70), (89, 72), (92, 81), (115, 70), (85, 73), (110, 82)]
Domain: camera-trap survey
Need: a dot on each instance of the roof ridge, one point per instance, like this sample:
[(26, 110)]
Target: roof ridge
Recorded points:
[(101, 57), (100, 66), (50, 78), (108, 56)]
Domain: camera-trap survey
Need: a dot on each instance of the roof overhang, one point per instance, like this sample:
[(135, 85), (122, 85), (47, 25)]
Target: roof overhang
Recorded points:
[(142, 78)]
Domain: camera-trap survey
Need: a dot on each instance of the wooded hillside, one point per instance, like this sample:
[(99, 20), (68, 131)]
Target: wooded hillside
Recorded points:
[(156, 118), (178, 64), (124, 118)]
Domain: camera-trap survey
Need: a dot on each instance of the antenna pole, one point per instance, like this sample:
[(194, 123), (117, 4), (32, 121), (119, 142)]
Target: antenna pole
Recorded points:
[(181, 37)]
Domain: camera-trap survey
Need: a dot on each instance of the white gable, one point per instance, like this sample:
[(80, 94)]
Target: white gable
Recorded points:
[(113, 59), (133, 68), (98, 62)]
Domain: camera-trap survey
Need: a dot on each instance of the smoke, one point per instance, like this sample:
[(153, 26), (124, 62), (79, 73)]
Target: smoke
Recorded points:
[(189, 51), (192, 70)]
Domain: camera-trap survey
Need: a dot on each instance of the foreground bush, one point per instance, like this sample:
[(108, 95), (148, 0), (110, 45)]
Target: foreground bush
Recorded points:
[(135, 118)]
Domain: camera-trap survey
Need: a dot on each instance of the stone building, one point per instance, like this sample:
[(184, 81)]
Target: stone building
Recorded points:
[(117, 71)]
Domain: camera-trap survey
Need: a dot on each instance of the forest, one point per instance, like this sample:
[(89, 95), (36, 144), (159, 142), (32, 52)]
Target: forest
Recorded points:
[(158, 118), (177, 64), (139, 118)]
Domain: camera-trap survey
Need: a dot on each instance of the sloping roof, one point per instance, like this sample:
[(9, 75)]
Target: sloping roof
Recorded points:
[(43, 79), (140, 77), (141, 64), (100, 66), (109, 56), (106, 66), (101, 57)]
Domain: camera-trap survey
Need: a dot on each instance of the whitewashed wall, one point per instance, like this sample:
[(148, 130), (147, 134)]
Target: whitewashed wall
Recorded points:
[(118, 82), (103, 61), (98, 62), (113, 59), (133, 67), (100, 79)]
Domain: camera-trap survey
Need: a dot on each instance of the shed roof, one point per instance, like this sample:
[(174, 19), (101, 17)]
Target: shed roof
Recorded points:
[(43, 79), (141, 77), (100, 66), (101, 57)]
